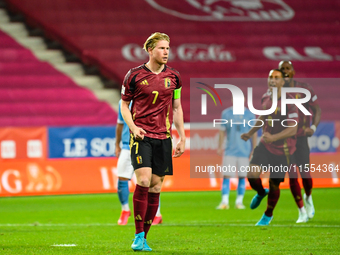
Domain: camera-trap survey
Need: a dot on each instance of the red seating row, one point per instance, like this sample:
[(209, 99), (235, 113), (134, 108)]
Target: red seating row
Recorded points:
[(56, 109), (57, 120), (34, 93), (27, 68), (15, 55), (36, 81), (98, 32), (46, 95), (7, 42)]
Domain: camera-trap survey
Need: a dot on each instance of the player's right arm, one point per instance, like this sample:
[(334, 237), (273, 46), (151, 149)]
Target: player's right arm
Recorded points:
[(253, 130), (127, 95), (119, 129), (137, 132)]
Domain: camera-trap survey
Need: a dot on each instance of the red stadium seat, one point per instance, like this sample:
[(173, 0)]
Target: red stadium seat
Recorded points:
[(99, 32), (33, 93)]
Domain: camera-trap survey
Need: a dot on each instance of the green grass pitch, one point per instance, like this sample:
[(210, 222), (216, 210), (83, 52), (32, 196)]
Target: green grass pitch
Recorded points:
[(192, 225)]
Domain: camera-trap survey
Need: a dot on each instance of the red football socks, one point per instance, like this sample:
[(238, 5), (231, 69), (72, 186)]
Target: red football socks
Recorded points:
[(296, 191), (273, 197), (307, 185), (140, 205), (153, 202)]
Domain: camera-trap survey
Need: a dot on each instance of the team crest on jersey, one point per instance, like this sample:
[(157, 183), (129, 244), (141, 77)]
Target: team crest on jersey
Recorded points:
[(167, 82)]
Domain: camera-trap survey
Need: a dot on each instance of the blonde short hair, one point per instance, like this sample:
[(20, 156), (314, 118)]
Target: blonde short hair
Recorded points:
[(154, 39)]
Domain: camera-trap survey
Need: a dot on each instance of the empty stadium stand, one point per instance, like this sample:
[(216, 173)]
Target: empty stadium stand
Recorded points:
[(34, 93), (209, 39)]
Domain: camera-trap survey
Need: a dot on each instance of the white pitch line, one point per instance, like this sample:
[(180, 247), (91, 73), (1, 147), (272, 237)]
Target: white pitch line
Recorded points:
[(305, 225), (57, 224), (253, 225), (63, 245)]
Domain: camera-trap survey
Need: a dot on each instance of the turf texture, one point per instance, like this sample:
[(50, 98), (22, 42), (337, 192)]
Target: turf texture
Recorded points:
[(87, 224)]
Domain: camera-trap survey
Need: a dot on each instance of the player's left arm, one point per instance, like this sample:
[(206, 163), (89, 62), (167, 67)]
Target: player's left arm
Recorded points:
[(309, 131), (179, 124)]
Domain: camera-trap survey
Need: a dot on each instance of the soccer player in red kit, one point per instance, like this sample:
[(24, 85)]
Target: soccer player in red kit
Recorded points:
[(154, 89), (305, 129), (275, 149)]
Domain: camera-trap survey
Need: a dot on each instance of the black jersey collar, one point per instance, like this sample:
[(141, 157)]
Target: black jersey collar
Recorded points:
[(147, 69)]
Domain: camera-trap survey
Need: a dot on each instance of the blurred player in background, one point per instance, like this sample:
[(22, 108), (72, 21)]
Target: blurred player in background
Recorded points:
[(305, 129), (154, 89), (275, 149), (158, 218), (124, 166), (236, 154), (125, 170)]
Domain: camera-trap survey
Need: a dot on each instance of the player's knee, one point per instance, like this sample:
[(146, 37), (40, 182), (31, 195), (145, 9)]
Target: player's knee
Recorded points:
[(253, 175), (156, 186), (155, 189), (144, 182)]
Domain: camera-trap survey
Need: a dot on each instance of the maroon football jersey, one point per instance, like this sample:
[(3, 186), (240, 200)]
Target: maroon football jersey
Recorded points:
[(151, 96), (305, 120), (284, 146)]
